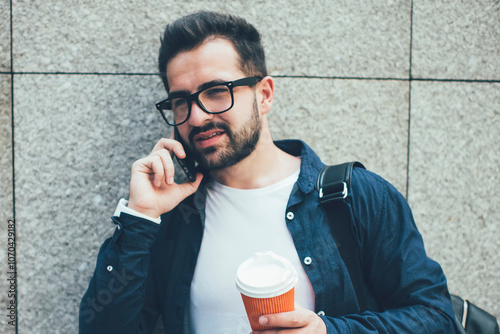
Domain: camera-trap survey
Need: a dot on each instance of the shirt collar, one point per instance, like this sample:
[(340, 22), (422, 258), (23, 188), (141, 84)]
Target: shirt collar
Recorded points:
[(310, 164)]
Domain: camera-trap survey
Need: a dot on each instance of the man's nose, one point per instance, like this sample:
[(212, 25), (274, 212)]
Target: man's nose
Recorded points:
[(198, 116)]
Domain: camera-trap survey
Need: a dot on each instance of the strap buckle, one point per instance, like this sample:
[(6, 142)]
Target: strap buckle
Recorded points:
[(333, 195)]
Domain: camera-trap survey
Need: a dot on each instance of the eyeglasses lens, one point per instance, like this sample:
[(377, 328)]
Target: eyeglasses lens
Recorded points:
[(214, 99)]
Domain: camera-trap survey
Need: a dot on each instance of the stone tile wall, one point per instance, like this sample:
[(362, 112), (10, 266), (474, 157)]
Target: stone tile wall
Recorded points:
[(410, 88)]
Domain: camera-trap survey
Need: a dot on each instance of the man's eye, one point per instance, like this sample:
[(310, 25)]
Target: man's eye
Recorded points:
[(216, 91), (178, 103)]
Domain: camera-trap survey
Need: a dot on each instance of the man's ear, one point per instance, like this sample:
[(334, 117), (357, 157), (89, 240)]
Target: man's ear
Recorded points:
[(265, 94)]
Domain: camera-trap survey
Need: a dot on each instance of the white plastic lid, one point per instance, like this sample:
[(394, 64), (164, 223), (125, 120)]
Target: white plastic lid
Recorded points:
[(265, 275)]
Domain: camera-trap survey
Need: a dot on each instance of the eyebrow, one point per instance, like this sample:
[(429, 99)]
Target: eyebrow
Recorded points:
[(184, 93)]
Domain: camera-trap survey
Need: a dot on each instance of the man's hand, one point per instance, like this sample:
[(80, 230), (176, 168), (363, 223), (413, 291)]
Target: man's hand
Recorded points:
[(300, 321), (152, 187)]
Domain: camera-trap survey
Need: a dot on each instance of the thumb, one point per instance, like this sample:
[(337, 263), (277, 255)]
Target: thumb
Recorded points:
[(189, 188)]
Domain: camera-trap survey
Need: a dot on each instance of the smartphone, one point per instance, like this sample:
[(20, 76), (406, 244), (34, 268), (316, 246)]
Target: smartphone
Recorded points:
[(187, 164)]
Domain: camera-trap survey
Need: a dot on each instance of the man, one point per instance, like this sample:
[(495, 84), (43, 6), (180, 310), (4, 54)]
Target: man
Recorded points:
[(176, 248)]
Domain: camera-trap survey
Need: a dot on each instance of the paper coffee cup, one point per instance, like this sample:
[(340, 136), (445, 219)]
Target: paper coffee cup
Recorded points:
[(266, 282)]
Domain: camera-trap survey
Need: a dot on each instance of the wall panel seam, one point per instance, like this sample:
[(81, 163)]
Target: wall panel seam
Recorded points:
[(13, 158), (493, 81), (410, 77)]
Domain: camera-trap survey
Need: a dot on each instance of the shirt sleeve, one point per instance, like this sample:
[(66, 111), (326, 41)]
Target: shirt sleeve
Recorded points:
[(122, 207), (410, 288), (116, 300)]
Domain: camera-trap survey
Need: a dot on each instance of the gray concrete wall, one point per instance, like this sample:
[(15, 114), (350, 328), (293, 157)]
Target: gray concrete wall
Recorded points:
[(410, 88)]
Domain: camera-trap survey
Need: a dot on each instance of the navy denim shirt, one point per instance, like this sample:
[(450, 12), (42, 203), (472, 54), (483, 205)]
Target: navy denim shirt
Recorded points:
[(145, 270)]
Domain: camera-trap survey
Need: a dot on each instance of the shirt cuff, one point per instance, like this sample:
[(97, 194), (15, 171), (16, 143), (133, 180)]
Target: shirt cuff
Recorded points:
[(122, 207)]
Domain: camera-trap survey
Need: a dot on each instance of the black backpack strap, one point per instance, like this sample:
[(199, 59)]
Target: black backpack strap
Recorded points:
[(334, 183)]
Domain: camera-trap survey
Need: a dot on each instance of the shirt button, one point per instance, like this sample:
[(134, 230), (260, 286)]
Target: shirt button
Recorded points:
[(307, 260), (321, 313), (290, 215), (109, 268)]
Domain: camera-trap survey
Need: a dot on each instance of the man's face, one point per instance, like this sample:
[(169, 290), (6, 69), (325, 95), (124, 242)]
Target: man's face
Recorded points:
[(221, 140)]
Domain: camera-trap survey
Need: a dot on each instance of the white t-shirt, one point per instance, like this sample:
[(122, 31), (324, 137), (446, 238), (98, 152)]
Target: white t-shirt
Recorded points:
[(240, 222)]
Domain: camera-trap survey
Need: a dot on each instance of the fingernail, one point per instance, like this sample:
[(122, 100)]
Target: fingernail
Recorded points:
[(170, 180), (263, 320)]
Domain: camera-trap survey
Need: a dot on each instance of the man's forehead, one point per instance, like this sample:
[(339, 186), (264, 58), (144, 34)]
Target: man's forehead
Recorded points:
[(214, 60)]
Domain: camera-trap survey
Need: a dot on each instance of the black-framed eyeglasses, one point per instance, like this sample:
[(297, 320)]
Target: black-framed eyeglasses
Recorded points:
[(214, 99)]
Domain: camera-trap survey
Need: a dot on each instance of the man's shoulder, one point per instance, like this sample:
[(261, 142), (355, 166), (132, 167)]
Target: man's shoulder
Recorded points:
[(368, 185), (366, 177)]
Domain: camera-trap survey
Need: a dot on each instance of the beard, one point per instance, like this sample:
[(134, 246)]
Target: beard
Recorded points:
[(241, 144)]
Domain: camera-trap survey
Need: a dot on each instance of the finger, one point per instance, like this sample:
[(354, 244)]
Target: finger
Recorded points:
[(155, 166), (278, 331), (170, 145), (188, 188), (284, 331), (168, 165), (293, 319)]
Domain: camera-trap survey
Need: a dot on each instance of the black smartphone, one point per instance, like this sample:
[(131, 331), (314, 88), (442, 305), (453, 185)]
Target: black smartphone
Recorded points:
[(187, 164)]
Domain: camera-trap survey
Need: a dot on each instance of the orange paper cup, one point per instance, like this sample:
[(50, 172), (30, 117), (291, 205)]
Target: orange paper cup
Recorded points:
[(256, 307), (267, 285)]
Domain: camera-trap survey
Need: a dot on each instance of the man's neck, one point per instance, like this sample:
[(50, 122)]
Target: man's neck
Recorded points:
[(265, 166)]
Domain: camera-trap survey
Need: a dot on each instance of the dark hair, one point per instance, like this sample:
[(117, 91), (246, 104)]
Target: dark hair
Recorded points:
[(192, 30)]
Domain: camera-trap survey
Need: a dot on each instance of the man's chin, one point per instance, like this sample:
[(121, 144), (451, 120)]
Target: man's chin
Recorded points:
[(214, 160), (208, 159), (206, 151), (209, 165)]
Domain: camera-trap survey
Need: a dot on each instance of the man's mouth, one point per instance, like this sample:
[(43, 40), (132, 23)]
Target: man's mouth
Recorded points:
[(208, 138)]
